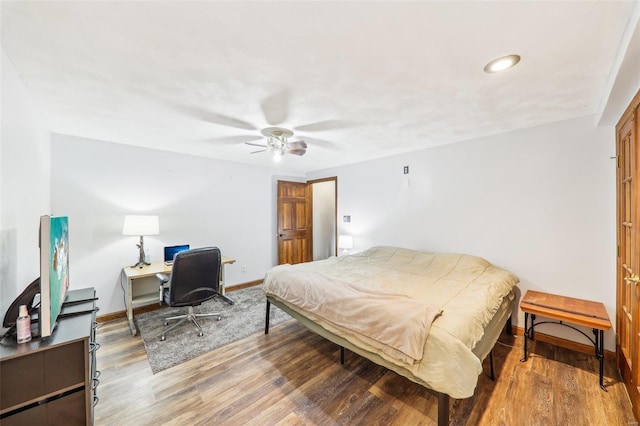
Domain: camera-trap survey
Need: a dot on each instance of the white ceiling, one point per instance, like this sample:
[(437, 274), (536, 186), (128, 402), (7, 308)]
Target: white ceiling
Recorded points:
[(355, 80)]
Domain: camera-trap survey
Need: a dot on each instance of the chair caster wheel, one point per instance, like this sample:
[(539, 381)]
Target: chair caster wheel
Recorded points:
[(218, 319), (162, 338), (200, 334), (166, 323)]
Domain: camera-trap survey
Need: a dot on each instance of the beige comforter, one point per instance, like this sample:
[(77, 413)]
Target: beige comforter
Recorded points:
[(393, 323), (467, 290)]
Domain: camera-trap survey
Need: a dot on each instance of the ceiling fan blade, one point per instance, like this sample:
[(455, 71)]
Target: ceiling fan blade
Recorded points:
[(297, 151), (215, 118), (297, 145), (325, 125), (224, 120), (276, 107), (256, 144), (260, 150), (321, 142), (234, 139)]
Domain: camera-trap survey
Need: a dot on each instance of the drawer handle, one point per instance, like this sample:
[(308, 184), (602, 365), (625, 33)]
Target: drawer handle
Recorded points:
[(94, 346), (96, 374), (95, 384), (95, 400)]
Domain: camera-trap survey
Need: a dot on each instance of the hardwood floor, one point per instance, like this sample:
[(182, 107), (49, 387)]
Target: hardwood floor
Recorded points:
[(293, 377)]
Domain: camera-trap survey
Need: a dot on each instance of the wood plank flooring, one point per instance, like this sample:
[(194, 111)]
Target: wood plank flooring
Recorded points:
[(293, 377)]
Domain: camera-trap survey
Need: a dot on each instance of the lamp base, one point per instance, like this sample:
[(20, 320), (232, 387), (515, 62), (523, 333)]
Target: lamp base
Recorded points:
[(141, 261), (140, 264)]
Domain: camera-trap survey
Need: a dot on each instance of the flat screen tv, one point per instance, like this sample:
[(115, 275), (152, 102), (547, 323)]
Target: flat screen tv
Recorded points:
[(54, 270), (45, 296)]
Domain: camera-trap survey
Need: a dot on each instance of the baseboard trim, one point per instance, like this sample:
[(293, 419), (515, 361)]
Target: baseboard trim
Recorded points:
[(148, 308), (244, 285), (564, 343)]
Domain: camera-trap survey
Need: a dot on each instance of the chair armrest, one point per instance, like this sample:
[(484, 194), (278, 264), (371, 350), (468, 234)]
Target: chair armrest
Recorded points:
[(163, 278)]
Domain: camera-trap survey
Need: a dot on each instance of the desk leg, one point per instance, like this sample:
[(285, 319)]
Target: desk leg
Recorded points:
[(526, 320), (223, 284), (129, 302), (599, 344)]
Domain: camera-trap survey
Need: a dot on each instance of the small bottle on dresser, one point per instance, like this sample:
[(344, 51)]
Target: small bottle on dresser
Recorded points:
[(23, 325)]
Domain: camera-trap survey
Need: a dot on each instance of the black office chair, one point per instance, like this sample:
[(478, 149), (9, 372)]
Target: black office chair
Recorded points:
[(195, 278)]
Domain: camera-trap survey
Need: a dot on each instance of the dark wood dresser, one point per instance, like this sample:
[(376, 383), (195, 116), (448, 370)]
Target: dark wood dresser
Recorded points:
[(54, 380)]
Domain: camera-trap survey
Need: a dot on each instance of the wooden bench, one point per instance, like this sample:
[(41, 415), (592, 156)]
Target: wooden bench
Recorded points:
[(567, 309)]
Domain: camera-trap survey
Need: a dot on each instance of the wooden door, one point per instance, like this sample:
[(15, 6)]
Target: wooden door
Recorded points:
[(628, 261), (294, 222)]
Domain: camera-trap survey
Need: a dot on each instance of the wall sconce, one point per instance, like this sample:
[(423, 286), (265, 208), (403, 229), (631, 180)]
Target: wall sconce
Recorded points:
[(345, 242), (140, 225)]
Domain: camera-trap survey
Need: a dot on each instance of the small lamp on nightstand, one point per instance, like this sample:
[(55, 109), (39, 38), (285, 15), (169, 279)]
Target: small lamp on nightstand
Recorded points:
[(141, 225), (345, 242)]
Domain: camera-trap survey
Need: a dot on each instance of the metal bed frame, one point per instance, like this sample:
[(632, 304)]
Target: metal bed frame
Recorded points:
[(443, 398)]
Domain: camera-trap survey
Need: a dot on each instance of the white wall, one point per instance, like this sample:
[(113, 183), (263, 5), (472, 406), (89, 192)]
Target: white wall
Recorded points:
[(199, 201), (24, 184), (538, 202)]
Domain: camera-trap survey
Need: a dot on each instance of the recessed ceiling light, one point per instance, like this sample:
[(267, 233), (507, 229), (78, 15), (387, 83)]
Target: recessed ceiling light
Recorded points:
[(501, 64)]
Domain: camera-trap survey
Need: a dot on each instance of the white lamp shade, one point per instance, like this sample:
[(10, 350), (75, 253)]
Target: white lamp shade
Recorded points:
[(345, 241), (140, 225)]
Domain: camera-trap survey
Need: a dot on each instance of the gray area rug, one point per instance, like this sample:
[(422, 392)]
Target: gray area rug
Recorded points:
[(244, 318)]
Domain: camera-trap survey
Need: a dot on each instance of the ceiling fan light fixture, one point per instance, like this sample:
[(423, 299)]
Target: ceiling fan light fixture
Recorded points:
[(501, 64), (278, 143)]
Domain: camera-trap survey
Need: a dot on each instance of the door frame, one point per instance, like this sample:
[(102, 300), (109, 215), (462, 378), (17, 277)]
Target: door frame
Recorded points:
[(309, 185), (333, 179)]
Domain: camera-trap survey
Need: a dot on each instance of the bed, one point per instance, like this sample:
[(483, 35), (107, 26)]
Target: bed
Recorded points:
[(430, 317)]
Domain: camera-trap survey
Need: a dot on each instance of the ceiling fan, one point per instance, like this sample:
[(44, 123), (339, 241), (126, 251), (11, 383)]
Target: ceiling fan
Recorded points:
[(278, 143), (275, 111)]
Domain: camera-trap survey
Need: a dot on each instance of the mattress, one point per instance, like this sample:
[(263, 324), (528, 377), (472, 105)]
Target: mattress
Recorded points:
[(474, 299)]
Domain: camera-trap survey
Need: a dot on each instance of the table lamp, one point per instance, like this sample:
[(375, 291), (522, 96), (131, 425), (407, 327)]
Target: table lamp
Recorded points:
[(345, 242), (141, 225)]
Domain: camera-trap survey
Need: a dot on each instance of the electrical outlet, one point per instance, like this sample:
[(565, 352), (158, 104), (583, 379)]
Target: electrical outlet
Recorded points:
[(243, 268), (406, 170)]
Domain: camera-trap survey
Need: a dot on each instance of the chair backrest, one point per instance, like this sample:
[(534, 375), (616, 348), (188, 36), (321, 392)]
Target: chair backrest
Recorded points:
[(195, 276)]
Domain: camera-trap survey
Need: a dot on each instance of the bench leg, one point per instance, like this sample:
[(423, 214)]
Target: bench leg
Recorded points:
[(599, 344), (266, 319), (526, 332)]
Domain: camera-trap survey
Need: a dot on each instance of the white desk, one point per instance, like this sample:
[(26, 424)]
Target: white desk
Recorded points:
[(131, 274)]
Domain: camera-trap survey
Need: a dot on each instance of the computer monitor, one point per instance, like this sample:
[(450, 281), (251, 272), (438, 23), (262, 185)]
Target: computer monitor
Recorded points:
[(171, 251)]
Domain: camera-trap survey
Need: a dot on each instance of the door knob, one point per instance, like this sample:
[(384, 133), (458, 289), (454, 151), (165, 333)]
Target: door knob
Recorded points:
[(632, 279)]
